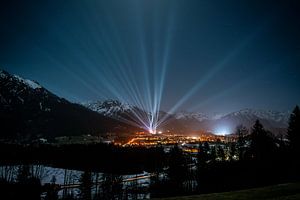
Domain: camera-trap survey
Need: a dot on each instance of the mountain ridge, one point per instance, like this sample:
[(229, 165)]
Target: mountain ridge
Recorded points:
[(28, 110), (193, 121), (27, 107)]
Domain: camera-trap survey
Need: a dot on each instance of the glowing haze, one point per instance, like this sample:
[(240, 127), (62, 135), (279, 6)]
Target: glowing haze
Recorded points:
[(208, 56)]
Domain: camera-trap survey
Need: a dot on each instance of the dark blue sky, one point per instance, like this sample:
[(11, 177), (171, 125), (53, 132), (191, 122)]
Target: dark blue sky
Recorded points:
[(218, 56)]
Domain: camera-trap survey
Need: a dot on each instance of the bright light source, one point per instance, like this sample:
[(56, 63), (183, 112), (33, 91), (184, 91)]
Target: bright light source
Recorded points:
[(152, 131), (222, 131), (160, 132)]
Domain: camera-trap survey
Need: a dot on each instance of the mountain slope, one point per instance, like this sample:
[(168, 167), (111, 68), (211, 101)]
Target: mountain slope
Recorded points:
[(110, 108), (28, 110), (133, 114), (185, 122), (274, 121), (191, 116)]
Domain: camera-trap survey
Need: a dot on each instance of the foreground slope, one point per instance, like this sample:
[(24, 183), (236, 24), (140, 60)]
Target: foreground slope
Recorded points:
[(290, 191)]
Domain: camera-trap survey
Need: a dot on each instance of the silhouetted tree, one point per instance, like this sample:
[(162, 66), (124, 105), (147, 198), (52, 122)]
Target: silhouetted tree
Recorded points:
[(96, 174), (53, 180), (176, 171), (29, 187), (293, 133), (23, 174), (241, 132), (203, 153), (111, 187), (156, 183), (262, 144), (220, 153), (213, 154), (232, 151), (203, 157), (133, 185), (51, 191), (69, 196), (86, 186)]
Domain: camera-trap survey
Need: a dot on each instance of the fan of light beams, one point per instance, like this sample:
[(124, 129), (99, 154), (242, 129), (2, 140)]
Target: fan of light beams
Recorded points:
[(131, 67)]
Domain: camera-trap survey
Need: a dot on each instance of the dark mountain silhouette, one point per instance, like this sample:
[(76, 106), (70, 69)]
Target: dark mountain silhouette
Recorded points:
[(28, 110), (130, 113), (185, 122)]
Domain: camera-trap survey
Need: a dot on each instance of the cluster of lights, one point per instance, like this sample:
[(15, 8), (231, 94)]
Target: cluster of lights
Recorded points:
[(161, 139), (154, 131)]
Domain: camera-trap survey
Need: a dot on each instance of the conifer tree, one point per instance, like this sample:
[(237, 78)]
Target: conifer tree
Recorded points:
[(177, 170), (262, 144), (293, 132), (241, 132), (85, 186)]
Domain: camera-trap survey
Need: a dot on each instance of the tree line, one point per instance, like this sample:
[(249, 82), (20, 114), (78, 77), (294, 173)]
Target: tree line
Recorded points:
[(256, 159)]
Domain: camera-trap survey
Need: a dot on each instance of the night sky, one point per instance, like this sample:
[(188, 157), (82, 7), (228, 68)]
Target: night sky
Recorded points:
[(208, 56)]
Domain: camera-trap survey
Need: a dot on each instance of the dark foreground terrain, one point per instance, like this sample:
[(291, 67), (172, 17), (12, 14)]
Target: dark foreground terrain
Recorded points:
[(279, 192)]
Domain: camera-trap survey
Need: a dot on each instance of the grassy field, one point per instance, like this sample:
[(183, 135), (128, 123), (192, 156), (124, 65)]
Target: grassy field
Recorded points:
[(288, 191)]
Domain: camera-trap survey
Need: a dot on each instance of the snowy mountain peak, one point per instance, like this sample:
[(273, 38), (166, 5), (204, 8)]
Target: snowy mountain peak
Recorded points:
[(198, 116), (276, 116), (190, 115), (109, 107), (28, 82)]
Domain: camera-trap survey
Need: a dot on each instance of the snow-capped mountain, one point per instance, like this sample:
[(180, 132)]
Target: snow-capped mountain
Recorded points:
[(191, 116), (279, 117), (109, 108), (28, 110), (188, 121), (29, 83), (130, 113), (274, 121), (197, 116), (16, 90)]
